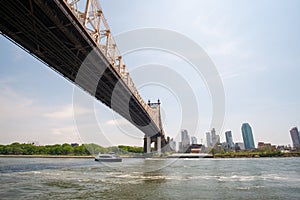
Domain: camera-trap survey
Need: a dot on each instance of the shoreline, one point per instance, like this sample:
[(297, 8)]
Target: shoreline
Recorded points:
[(57, 156), (43, 156), (141, 157)]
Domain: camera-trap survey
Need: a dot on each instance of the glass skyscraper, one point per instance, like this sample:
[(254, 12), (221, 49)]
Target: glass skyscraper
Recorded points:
[(194, 140), (185, 140), (229, 139), (247, 136), (208, 139), (295, 137)]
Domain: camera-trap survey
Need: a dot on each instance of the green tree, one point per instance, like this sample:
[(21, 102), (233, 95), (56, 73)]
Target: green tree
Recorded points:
[(28, 149), (81, 150), (67, 149), (213, 151), (56, 149)]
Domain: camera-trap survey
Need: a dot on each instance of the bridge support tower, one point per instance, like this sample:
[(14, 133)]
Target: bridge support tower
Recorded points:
[(158, 144)]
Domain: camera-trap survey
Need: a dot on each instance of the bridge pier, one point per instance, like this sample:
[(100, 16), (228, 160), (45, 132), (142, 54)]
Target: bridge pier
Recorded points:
[(157, 144), (147, 144)]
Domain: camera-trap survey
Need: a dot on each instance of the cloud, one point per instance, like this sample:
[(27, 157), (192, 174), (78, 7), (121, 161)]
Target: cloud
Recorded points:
[(67, 112), (63, 130), (64, 113), (116, 122), (14, 104), (20, 119)]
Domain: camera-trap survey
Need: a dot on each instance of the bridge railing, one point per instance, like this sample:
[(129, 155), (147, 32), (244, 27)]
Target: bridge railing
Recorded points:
[(89, 14)]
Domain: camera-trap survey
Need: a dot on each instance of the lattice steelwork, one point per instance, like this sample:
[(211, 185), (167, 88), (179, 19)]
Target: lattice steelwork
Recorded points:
[(89, 14), (62, 34)]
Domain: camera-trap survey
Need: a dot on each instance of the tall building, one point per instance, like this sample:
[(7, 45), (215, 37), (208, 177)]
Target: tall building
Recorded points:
[(239, 145), (218, 139), (194, 140), (180, 149), (247, 136), (208, 139), (185, 140), (295, 137), (172, 144), (215, 139), (229, 139)]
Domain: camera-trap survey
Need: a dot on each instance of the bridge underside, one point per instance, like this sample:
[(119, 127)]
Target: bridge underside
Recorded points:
[(160, 144), (49, 31)]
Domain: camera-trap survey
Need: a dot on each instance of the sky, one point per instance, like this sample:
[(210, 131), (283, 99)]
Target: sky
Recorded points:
[(254, 46)]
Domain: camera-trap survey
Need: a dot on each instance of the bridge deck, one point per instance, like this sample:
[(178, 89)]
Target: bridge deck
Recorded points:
[(49, 31)]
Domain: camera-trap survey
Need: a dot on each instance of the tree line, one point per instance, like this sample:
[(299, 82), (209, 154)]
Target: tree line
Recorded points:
[(65, 149), (30, 149), (120, 150)]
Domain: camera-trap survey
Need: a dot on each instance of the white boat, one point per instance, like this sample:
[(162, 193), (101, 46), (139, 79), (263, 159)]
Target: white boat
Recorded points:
[(109, 157)]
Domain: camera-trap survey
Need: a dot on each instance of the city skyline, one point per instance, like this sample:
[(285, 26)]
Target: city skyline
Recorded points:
[(254, 47), (248, 138)]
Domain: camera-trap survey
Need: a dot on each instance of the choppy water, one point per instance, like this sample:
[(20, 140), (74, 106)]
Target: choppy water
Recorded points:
[(39, 178)]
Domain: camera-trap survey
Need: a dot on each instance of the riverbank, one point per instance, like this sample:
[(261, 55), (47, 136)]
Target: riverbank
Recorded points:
[(59, 156), (42, 156), (257, 155), (232, 155)]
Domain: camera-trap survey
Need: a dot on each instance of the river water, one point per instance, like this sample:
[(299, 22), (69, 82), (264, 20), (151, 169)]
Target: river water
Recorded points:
[(54, 178)]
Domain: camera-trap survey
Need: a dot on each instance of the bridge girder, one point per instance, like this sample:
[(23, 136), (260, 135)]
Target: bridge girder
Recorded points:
[(62, 35)]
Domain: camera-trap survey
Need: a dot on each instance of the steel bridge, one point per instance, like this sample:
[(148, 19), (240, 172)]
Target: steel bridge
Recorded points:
[(62, 34)]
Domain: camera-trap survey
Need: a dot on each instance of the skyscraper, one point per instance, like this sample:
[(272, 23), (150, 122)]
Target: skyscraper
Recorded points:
[(215, 139), (208, 139), (194, 140), (185, 140), (180, 149), (247, 136), (172, 144), (229, 139), (295, 137)]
